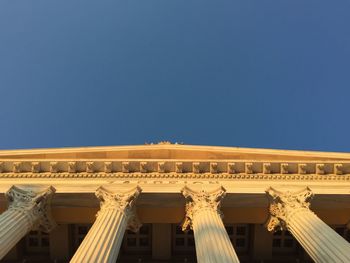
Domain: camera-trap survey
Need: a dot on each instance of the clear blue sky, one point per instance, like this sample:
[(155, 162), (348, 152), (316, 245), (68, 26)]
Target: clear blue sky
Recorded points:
[(249, 73)]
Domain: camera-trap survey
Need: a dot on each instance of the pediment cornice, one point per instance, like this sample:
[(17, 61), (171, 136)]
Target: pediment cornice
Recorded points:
[(171, 151), (174, 161)]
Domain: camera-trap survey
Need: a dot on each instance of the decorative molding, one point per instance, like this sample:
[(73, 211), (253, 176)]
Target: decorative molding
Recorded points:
[(53, 167), (161, 167), (211, 169), (164, 143), (71, 167), (125, 167), (320, 169), (338, 168), (197, 201), (284, 168), (134, 223), (17, 167), (249, 168), (195, 167), (205, 176), (35, 167), (107, 167), (284, 205), (36, 206), (123, 202), (302, 168), (231, 168), (266, 168), (143, 167), (90, 167), (178, 167)]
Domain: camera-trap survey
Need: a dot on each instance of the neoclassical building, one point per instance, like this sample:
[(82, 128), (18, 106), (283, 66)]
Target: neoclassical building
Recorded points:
[(174, 203)]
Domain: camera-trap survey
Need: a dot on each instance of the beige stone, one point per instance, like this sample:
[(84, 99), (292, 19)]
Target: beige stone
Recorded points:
[(27, 210), (163, 171), (103, 241), (203, 215), (291, 211)]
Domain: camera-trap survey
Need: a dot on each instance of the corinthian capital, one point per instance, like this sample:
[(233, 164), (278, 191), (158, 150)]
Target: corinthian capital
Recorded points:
[(284, 204), (34, 204), (201, 200), (124, 202)]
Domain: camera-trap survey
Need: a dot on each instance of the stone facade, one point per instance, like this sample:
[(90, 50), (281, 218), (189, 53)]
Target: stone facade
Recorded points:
[(174, 203)]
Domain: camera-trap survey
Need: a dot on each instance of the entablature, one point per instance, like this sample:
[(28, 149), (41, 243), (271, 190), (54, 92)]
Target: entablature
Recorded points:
[(170, 168)]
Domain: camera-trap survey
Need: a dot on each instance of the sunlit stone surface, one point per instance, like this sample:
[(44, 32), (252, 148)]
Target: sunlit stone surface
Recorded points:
[(220, 191)]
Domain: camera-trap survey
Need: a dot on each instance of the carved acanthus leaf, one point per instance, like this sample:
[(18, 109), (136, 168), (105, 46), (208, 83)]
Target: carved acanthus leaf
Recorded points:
[(35, 205), (197, 201), (134, 223), (284, 204), (124, 202)]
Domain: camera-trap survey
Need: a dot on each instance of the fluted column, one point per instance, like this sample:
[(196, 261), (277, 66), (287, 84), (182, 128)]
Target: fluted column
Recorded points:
[(117, 213), (27, 210), (203, 215), (291, 211)]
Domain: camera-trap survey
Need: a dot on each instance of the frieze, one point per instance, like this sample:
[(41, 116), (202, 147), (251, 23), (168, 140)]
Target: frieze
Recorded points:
[(217, 169)]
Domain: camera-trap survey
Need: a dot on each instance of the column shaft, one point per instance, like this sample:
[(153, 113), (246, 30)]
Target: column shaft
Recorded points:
[(27, 210), (211, 239), (203, 215), (14, 225), (291, 211), (103, 241), (319, 240)]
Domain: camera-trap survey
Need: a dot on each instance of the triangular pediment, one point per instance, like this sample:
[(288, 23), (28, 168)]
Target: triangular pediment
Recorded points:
[(171, 151)]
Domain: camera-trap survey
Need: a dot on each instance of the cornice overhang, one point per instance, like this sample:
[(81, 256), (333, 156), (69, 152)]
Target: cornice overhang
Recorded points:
[(178, 161), (171, 151)]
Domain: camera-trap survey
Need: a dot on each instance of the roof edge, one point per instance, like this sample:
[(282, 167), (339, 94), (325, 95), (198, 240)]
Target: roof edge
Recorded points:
[(223, 149)]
